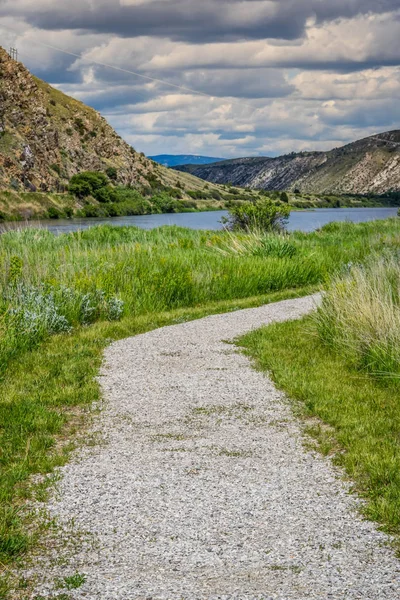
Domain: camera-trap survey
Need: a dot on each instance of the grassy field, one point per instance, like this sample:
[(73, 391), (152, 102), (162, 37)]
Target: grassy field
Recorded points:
[(64, 298), (342, 365)]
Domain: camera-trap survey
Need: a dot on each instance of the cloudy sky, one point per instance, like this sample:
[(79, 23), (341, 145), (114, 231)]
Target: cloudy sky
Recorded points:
[(278, 75)]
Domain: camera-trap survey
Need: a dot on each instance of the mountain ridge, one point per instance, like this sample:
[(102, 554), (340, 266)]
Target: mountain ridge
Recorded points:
[(369, 165)]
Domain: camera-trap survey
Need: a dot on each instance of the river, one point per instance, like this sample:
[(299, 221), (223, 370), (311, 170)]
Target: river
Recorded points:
[(307, 220)]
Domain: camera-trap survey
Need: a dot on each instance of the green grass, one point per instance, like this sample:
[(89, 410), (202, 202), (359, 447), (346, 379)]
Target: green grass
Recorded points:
[(71, 582), (159, 277), (360, 317), (54, 283), (363, 414)]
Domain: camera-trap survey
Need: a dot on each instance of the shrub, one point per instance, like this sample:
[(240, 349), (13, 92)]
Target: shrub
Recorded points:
[(163, 203), (32, 313), (257, 244), (284, 197), (79, 126), (105, 194), (87, 183), (54, 213), (262, 215), (112, 173), (69, 212), (360, 317), (55, 167)]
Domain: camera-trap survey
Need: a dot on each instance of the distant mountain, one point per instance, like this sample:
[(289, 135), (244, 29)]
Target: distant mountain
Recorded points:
[(370, 165), (173, 160)]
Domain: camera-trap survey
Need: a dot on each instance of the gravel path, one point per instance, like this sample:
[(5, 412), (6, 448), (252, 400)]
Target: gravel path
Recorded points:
[(204, 490)]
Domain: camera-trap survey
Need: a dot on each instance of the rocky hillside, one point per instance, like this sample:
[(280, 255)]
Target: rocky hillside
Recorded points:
[(46, 137), (371, 165)]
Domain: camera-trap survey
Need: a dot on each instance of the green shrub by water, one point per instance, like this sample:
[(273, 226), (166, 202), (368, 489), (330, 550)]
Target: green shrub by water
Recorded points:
[(260, 215)]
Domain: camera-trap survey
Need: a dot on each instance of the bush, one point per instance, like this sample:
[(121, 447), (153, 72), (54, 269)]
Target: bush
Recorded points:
[(32, 313), (79, 126), (284, 197), (105, 194), (360, 317), (262, 215), (163, 203), (87, 183), (257, 244), (54, 213), (90, 210), (112, 173), (55, 167)]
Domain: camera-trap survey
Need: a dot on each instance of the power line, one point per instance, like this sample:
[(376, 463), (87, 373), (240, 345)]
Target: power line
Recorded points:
[(122, 70), (13, 53)]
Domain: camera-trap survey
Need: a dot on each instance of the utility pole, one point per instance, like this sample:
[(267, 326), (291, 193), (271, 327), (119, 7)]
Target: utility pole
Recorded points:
[(14, 53)]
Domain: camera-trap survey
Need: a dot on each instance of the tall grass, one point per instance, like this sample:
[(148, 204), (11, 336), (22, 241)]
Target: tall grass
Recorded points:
[(51, 284), (360, 316)]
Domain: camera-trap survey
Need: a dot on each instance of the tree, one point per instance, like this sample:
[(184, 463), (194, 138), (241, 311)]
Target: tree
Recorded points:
[(87, 183), (112, 173), (284, 197)]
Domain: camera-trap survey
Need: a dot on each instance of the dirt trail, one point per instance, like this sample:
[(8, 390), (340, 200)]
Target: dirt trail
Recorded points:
[(204, 489)]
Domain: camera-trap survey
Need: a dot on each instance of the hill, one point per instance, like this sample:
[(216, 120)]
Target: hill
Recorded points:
[(368, 166), (174, 160), (46, 137)]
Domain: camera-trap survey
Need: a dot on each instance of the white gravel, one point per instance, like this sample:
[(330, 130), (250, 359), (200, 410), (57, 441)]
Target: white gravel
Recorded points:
[(204, 489)]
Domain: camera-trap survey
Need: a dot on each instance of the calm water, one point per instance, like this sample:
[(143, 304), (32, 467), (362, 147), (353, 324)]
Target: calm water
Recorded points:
[(307, 220)]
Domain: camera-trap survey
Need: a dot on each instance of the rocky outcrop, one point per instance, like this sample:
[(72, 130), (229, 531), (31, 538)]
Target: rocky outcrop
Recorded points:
[(371, 165), (46, 136)]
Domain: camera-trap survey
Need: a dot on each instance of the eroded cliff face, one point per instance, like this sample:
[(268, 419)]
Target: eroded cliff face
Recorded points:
[(371, 165), (46, 136)]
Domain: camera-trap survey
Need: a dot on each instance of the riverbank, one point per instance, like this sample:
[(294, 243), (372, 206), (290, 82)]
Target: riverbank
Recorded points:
[(65, 298), (38, 206)]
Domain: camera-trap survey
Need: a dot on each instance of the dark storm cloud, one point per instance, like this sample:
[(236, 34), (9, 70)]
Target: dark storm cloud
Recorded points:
[(191, 20)]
